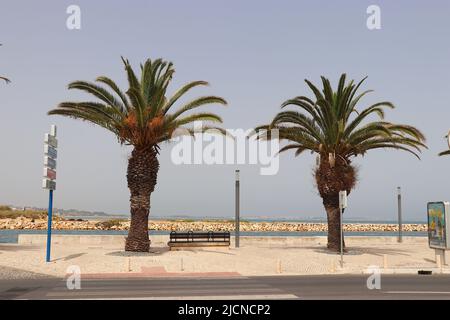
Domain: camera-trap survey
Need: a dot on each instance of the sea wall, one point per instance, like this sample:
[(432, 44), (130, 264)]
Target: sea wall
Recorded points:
[(22, 223), (161, 240)]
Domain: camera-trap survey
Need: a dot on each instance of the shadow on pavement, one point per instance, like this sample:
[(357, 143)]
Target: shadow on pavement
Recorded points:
[(70, 257), (17, 247), (9, 273), (153, 252), (355, 251)]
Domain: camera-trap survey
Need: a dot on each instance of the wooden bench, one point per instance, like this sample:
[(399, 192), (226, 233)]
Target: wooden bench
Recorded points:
[(188, 240)]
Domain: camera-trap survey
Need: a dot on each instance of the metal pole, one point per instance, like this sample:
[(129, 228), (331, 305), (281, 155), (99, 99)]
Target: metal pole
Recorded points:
[(400, 226), (341, 211), (236, 237), (49, 224)]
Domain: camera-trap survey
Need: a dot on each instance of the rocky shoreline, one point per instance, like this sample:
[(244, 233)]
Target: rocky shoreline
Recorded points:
[(22, 223)]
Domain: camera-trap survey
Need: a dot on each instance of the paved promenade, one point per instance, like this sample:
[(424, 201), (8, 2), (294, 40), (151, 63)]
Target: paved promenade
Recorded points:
[(103, 256)]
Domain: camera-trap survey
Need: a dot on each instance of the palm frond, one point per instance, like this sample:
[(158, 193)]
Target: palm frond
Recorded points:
[(198, 102), (198, 117), (98, 92), (180, 92), (115, 88), (444, 153), (138, 116), (330, 123)]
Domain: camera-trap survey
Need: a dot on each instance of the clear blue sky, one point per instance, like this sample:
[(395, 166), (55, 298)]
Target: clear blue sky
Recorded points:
[(256, 54)]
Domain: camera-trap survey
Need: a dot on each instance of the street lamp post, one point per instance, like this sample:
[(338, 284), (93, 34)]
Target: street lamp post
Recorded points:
[(399, 206), (237, 204)]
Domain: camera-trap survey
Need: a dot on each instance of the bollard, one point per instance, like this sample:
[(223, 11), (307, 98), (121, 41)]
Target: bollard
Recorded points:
[(333, 266), (440, 258), (181, 264), (438, 261), (128, 264)]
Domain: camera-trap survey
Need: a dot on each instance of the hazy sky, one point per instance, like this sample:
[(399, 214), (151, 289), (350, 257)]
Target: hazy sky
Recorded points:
[(256, 54)]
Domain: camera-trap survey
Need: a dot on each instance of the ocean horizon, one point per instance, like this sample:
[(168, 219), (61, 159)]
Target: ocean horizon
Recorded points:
[(250, 219)]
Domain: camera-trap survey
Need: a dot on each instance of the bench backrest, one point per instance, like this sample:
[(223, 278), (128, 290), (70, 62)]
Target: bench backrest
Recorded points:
[(191, 236)]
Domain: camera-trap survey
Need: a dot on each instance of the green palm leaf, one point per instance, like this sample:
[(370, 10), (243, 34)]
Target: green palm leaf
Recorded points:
[(331, 123), (444, 153), (138, 116)]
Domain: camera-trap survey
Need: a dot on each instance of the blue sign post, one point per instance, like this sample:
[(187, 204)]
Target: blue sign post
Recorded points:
[(49, 224), (49, 181)]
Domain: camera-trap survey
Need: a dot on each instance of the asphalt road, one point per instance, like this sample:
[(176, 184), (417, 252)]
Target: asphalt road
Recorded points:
[(280, 287)]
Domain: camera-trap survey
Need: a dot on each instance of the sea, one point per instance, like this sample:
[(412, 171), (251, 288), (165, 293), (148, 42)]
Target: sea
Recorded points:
[(11, 236)]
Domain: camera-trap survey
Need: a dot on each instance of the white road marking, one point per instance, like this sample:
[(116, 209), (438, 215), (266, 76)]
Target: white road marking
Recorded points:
[(235, 297), (418, 292)]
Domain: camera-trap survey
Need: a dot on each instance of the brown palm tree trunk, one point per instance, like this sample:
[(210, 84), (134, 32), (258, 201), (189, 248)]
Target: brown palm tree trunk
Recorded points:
[(331, 204), (330, 179), (142, 174)]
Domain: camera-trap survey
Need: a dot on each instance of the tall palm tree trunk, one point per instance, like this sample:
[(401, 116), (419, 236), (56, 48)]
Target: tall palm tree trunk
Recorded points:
[(331, 204), (331, 178), (142, 174)]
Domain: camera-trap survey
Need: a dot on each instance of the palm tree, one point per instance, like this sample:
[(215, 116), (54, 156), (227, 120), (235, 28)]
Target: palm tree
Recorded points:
[(140, 117), (446, 152), (331, 126)]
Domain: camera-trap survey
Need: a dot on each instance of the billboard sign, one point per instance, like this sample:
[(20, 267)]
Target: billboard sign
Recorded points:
[(438, 225), (50, 151), (48, 184), (51, 140), (50, 155), (49, 173), (49, 162)]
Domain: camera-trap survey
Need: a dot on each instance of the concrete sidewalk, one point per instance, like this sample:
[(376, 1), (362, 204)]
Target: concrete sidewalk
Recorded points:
[(103, 256)]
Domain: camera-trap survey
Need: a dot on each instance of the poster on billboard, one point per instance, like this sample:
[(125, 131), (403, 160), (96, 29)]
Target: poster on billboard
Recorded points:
[(48, 184), (50, 151), (49, 173), (437, 219)]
